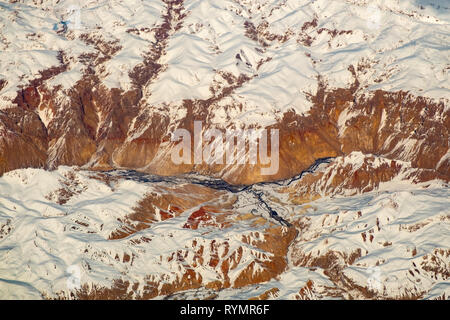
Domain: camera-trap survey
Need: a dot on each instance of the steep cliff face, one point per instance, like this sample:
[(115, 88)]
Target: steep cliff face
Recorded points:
[(358, 173), (395, 125), (112, 90)]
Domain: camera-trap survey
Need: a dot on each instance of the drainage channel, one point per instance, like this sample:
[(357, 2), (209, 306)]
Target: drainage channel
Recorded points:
[(219, 184)]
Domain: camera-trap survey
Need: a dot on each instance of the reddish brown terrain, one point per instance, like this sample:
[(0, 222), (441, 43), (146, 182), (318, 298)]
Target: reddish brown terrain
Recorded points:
[(358, 205)]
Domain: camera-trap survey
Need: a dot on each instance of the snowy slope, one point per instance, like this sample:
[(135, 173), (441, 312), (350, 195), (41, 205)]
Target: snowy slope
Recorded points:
[(121, 76), (392, 243), (402, 237), (101, 84), (39, 248), (397, 45)]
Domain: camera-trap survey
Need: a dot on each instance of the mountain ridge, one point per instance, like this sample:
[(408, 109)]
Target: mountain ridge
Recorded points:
[(121, 125)]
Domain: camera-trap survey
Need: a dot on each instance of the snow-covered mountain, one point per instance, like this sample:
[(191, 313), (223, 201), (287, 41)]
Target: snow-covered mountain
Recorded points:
[(92, 90), (121, 76), (72, 233)]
